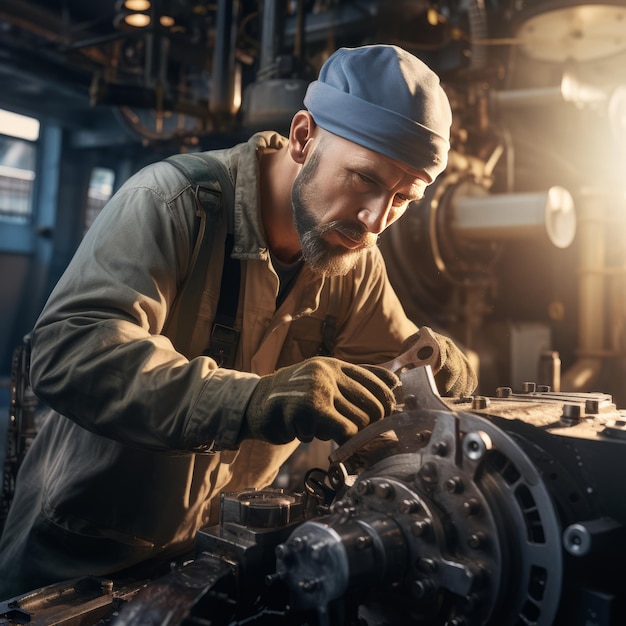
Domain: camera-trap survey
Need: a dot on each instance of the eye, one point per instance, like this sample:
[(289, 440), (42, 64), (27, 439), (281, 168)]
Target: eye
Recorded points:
[(366, 180)]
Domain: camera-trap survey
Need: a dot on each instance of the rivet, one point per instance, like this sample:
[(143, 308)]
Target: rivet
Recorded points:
[(454, 485), (471, 507)]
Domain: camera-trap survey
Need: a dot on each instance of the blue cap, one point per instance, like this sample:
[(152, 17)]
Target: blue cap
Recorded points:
[(387, 100)]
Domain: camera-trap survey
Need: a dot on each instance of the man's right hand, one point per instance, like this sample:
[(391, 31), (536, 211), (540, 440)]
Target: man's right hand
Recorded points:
[(321, 397)]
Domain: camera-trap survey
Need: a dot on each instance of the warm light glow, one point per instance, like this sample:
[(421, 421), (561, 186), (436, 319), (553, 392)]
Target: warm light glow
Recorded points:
[(432, 17), (579, 93), (167, 21), (137, 5), (137, 20)]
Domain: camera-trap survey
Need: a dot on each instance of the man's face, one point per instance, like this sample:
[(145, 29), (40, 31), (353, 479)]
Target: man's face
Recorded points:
[(344, 197)]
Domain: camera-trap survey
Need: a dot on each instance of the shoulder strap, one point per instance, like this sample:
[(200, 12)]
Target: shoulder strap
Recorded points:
[(212, 189)]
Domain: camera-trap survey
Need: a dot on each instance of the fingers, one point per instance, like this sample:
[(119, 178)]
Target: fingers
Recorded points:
[(456, 377), (322, 397)]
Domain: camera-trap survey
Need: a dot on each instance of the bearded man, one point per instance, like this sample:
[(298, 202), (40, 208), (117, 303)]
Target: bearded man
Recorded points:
[(158, 400)]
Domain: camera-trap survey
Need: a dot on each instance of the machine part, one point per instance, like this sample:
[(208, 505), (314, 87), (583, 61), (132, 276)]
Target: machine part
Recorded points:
[(512, 216), (559, 31), (227, 578), (21, 426), (496, 511), (75, 602), (202, 587), (448, 530)]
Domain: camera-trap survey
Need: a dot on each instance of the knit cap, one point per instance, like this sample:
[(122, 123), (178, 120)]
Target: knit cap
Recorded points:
[(387, 100)]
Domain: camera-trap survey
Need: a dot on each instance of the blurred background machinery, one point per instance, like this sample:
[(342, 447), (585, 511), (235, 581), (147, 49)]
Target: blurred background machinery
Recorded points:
[(518, 249)]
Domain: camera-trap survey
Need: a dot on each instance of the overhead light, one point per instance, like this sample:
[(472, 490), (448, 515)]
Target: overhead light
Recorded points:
[(137, 20), (137, 5), (132, 14)]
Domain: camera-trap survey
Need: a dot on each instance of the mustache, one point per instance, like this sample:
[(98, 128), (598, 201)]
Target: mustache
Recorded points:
[(352, 231)]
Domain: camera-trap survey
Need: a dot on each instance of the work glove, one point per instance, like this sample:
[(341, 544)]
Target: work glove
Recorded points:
[(321, 397), (454, 375)]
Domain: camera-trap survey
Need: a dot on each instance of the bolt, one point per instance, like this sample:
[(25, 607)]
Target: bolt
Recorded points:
[(299, 543), (423, 588), (571, 414), (427, 566), (421, 528), (544, 388), (409, 506), (365, 487), (476, 540), (480, 402), (383, 490), (364, 541), (454, 485), (592, 406), (476, 444), (471, 507), (319, 552), (272, 579), (309, 585), (429, 473), (422, 437), (504, 392), (282, 551), (529, 387), (347, 511), (440, 448)]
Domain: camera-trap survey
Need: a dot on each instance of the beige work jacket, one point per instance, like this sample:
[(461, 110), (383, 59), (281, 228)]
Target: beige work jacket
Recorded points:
[(145, 435)]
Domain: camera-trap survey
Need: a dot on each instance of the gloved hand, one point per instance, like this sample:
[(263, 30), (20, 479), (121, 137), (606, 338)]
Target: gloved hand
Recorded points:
[(454, 374), (455, 377), (321, 397)]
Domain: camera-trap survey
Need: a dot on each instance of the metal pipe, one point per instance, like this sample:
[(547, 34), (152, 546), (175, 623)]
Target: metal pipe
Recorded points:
[(515, 215), (222, 100), (267, 55), (592, 284)]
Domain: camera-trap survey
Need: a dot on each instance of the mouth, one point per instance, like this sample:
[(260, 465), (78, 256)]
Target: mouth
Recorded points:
[(346, 241)]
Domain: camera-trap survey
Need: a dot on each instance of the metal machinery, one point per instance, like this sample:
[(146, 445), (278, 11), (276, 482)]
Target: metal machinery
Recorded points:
[(518, 245), (505, 511)]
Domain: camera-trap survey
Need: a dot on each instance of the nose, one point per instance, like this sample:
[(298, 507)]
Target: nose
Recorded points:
[(375, 216)]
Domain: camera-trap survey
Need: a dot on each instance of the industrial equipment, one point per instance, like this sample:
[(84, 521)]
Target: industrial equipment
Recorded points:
[(504, 510)]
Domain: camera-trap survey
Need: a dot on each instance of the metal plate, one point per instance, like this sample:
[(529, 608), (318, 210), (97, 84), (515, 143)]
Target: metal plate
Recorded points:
[(582, 33)]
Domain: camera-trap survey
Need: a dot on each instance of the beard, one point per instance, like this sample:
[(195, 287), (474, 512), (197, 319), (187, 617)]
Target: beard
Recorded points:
[(321, 256)]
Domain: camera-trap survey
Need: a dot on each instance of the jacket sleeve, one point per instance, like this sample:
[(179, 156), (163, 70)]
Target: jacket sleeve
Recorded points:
[(98, 355)]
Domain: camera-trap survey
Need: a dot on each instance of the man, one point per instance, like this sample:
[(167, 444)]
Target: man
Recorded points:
[(147, 429)]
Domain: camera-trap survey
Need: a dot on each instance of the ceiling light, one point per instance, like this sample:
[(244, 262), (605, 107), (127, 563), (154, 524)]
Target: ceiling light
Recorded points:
[(137, 5), (137, 20), (167, 21)]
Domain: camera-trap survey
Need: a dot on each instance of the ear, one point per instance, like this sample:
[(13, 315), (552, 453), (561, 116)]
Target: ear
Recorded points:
[(302, 129)]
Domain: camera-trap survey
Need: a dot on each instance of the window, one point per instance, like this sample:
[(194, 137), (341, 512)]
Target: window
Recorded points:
[(98, 194), (18, 135)]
